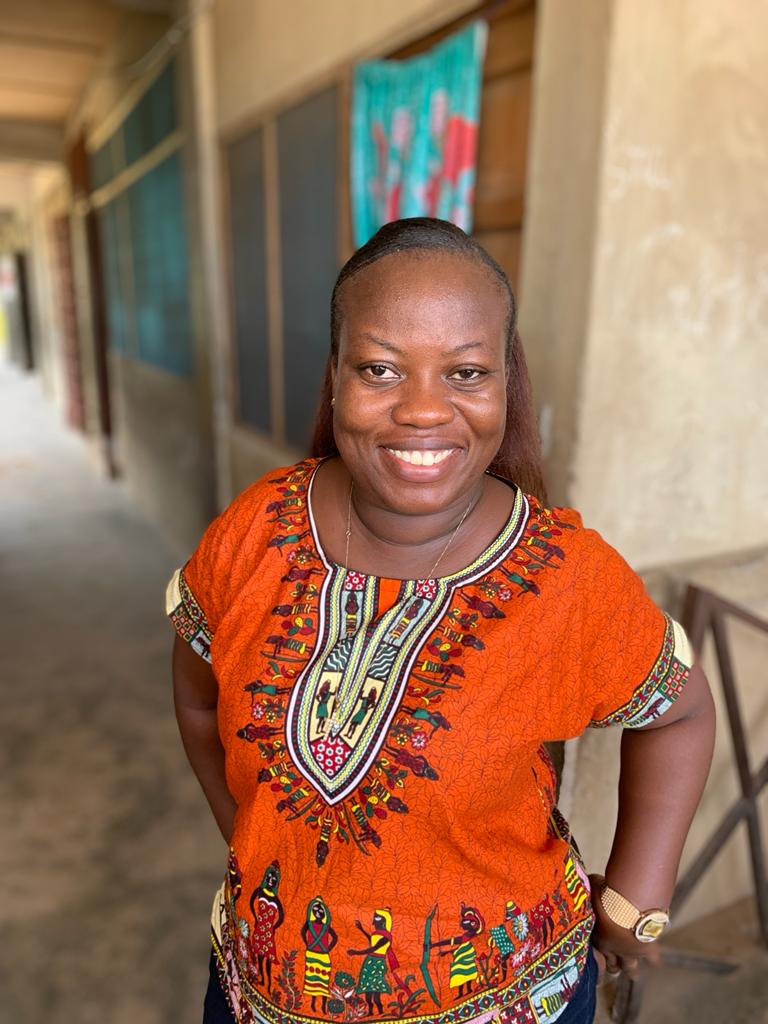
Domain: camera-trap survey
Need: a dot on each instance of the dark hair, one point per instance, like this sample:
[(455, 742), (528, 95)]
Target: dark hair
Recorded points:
[(519, 456)]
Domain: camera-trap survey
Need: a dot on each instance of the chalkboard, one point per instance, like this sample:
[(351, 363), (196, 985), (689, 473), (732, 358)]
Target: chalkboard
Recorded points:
[(245, 175), (153, 117), (160, 275), (307, 168)]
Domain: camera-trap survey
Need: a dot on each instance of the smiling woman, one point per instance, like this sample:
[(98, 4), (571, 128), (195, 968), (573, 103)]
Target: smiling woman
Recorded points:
[(373, 647)]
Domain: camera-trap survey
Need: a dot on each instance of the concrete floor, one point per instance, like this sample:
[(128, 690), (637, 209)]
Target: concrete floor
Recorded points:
[(108, 855)]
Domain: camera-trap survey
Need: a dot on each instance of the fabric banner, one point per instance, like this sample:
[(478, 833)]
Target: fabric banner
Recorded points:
[(414, 134)]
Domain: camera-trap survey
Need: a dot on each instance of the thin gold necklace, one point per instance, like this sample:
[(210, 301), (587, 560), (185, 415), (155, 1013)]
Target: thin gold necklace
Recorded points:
[(431, 574)]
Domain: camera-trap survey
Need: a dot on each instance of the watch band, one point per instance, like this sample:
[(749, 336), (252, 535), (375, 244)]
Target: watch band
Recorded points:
[(618, 908)]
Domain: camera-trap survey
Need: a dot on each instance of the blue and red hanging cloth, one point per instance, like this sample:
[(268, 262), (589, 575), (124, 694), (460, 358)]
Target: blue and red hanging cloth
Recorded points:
[(414, 134)]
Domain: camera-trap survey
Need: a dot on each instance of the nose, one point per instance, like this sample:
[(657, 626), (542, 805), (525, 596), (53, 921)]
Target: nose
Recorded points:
[(422, 403)]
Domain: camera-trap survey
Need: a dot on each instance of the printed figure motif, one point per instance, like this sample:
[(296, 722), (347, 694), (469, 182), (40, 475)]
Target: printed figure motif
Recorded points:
[(542, 919), (367, 703), (267, 911), (378, 957), (502, 940), (319, 939), (461, 949), (324, 695)]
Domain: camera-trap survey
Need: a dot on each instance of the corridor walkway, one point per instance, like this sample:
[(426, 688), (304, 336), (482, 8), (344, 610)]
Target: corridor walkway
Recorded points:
[(108, 858)]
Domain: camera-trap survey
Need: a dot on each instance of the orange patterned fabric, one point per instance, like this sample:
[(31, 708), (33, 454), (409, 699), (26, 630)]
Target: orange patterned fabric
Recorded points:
[(397, 850)]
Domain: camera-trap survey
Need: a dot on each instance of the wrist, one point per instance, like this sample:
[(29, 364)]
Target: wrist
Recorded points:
[(646, 880), (646, 924)]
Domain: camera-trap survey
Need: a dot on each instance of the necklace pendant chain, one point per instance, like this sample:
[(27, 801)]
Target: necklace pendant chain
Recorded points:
[(431, 574)]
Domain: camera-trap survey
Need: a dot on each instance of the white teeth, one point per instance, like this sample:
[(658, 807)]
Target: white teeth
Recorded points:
[(419, 458)]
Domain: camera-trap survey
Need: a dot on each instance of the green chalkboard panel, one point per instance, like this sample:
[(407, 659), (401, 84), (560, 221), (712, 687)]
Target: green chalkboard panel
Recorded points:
[(307, 164), (159, 265), (153, 117), (245, 175)]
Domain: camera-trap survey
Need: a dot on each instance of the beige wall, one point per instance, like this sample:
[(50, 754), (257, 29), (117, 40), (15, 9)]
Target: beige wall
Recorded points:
[(644, 311), (672, 422), (562, 199), (264, 51), (49, 198)]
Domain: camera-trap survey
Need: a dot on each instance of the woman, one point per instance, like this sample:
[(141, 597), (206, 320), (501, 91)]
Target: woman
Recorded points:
[(319, 939), (413, 556), (378, 954)]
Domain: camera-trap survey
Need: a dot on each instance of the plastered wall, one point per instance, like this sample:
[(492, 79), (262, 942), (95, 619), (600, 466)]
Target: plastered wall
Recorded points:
[(671, 444), (644, 313), (262, 54), (560, 223)]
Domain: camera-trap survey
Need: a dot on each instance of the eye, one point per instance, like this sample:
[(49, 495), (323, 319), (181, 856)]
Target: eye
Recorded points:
[(379, 372), (468, 374)]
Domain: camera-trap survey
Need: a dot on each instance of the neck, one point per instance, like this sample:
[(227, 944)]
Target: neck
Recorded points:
[(395, 533)]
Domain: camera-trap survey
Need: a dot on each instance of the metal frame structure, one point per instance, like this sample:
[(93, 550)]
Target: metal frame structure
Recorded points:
[(705, 611)]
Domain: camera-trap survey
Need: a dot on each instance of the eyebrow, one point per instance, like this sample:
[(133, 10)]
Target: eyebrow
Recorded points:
[(394, 348)]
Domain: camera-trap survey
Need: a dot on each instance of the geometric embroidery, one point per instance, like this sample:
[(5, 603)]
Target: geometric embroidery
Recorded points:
[(539, 992), (366, 691), (344, 702), (186, 615), (661, 686)]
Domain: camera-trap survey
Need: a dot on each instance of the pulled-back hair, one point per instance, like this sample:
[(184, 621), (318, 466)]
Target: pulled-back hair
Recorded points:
[(519, 456)]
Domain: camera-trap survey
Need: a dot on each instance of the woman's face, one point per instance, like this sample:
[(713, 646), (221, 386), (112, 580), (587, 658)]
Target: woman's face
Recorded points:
[(420, 380)]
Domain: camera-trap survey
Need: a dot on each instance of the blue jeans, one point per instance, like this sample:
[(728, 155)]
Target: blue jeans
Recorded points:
[(216, 1008), (580, 1009)]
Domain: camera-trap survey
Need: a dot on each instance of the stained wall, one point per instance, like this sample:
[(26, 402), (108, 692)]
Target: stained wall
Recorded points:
[(672, 423), (644, 312)]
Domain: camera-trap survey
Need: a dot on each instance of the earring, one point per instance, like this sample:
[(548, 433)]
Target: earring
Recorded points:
[(333, 402)]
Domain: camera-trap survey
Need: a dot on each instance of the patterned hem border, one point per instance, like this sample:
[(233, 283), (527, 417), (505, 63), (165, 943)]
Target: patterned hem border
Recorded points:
[(661, 687), (574, 944)]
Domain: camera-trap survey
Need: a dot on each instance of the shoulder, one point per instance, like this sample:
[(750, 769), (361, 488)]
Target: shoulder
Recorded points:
[(264, 516), (567, 526), (555, 538), (258, 511)]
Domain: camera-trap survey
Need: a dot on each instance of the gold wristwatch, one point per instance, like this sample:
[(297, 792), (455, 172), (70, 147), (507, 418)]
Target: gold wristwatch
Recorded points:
[(646, 925)]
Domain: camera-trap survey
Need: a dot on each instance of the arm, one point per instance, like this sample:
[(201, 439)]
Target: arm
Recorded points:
[(195, 695), (664, 767)]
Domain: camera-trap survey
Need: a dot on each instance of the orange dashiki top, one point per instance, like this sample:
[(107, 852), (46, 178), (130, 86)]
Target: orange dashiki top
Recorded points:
[(397, 852)]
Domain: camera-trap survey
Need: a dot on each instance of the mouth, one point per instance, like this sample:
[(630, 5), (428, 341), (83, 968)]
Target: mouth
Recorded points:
[(417, 457)]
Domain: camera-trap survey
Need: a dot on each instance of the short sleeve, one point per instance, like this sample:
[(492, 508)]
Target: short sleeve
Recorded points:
[(635, 657), (198, 595), (187, 615)]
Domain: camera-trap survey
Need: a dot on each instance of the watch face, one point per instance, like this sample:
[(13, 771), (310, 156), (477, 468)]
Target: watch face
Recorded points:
[(651, 925)]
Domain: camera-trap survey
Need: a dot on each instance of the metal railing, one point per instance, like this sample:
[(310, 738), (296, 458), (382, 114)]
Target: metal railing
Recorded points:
[(707, 612)]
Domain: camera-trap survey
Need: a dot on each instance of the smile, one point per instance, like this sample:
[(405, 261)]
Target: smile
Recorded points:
[(420, 458)]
